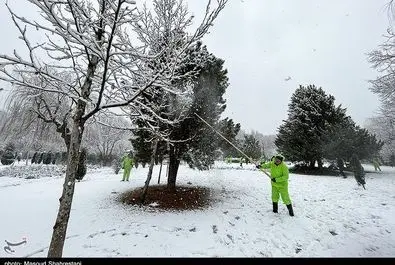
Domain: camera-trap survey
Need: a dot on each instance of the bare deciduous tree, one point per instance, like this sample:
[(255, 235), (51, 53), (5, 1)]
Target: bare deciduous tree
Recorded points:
[(91, 61), (383, 60), (107, 136), (20, 126)]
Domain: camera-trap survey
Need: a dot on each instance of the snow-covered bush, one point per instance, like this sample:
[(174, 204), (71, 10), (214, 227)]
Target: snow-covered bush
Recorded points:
[(7, 158)]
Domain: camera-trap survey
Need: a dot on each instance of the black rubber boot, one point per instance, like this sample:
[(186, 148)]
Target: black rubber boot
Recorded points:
[(275, 207), (290, 210)]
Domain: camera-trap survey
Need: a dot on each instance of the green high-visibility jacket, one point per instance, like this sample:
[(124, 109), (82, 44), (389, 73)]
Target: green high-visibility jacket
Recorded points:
[(127, 162), (279, 172)]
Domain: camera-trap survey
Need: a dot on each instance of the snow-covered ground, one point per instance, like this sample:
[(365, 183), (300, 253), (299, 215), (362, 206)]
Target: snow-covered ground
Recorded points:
[(333, 216)]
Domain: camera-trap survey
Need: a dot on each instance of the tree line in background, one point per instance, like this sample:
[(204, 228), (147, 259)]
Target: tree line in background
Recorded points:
[(316, 131)]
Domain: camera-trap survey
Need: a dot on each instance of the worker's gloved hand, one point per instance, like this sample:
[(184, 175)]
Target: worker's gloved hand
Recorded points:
[(273, 179), (258, 166)]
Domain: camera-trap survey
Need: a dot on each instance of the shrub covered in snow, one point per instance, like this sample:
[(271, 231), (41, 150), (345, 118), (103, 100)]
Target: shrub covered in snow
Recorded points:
[(7, 158), (33, 171)]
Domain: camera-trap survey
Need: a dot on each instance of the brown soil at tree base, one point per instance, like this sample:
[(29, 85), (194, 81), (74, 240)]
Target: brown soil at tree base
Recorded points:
[(181, 198)]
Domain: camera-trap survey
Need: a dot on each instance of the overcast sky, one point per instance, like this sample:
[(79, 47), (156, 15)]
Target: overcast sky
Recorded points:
[(264, 42), (314, 42)]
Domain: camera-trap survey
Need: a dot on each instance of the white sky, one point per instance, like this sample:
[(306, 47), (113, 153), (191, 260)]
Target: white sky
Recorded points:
[(265, 41), (333, 216), (313, 42)]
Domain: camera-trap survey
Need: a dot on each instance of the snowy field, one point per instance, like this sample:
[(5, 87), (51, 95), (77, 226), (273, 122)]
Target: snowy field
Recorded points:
[(333, 216)]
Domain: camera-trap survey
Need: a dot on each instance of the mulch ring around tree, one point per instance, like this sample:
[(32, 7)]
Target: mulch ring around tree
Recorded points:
[(161, 197)]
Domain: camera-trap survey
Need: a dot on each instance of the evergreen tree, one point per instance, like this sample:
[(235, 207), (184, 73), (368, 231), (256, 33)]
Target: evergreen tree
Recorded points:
[(346, 138), (189, 139), (301, 137), (252, 147), (141, 144), (207, 103), (316, 129), (7, 157), (229, 130)]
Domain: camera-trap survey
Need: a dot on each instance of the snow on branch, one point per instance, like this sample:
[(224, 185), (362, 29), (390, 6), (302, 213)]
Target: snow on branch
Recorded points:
[(106, 54)]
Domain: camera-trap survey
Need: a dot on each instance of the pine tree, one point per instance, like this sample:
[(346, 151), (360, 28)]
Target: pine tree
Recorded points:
[(316, 129), (229, 130), (301, 136), (191, 140), (141, 143), (199, 152), (345, 138)]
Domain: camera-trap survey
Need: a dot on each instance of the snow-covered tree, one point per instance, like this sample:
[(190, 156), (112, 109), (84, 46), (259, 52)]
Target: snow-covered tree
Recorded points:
[(8, 155), (384, 129), (90, 62), (252, 147), (311, 112), (316, 129), (107, 136), (20, 126), (229, 129), (382, 59), (345, 138), (189, 139), (270, 148)]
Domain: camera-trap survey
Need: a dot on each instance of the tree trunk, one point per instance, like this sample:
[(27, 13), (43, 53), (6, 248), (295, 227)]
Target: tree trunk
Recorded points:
[(174, 163), (160, 170), (73, 144), (320, 163), (149, 175), (27, 158), (60, 227)]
